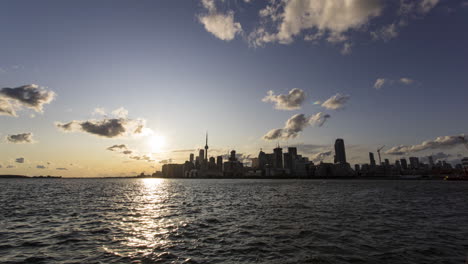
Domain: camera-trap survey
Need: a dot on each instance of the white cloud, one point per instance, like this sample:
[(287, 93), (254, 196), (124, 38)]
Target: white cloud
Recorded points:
[(437, 143), (220, 25), (334, 17), (379, 83), (336, 102), (291, 101), (295, 125), (406, 80)]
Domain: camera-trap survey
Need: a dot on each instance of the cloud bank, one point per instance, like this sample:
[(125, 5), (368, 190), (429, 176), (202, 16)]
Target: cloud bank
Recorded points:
[(438, 143)]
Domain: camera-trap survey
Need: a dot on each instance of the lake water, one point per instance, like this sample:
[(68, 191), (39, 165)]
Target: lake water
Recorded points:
[(232, 221)]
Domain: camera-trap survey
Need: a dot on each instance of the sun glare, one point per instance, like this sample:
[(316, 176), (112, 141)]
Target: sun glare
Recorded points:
[(157, 143)]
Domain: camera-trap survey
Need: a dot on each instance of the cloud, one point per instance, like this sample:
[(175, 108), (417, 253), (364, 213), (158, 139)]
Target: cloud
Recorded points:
[(10, 167), (19, 160), (335, 102), (319, 157), (63, 169), (328, 18), (437, 143), (40, 167), (386, 33), (346, 49), (108, 127), (291, 101), (184, 150), (380, 82), (6, 108), (295, 125), (166, 161), (143, 158), (21, 138), (31, 96), (117, 147), (220, 25), (99, 111), (406, 81)]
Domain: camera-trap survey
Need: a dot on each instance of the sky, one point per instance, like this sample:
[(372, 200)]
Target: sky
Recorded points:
[(113, 88)]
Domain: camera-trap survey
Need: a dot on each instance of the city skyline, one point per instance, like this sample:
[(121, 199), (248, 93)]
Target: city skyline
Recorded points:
[(113, 89)]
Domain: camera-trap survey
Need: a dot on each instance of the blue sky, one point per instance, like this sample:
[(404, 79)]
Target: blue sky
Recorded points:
[(183, 75)]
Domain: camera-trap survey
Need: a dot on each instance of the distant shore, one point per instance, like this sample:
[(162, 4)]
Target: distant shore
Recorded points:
[(435, 177)]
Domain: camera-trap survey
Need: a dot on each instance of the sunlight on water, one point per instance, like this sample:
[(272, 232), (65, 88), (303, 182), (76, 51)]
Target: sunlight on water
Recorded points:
[(143, 225)]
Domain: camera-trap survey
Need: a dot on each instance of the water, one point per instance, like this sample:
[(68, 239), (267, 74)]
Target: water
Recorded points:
[(232, 221)]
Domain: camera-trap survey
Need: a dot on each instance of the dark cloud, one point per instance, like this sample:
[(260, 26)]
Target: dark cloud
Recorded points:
[(184, 150), (31, 96), (438, 143), (40, 167), (117, 147), (291, 101), (295, 125), (21, 138), (142, 158), (61, 169), (335, 102), (109, 128), (19, 160), (10, 167)]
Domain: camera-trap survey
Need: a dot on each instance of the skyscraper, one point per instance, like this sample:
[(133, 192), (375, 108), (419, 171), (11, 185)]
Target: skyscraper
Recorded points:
[(404, 164), (191, 157), (201, 156), (414, 162), (340, 154), (219, 162), (278, 161), (372, 159)]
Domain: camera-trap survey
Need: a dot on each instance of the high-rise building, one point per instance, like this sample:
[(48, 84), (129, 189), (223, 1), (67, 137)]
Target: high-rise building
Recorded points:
[(262, 160), (278, 160), (340, 154), (233, 156), (387, 162), (431, 162), (414, 162), (372, 159), (287, 161), (191, 157), (404, 164), (293, 152), (219, 162), (201, 156)]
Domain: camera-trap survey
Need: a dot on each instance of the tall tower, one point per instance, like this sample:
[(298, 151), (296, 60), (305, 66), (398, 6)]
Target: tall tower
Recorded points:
[(206, 147), (340, 154)]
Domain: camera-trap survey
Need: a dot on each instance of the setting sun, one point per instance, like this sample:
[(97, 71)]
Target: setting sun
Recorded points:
[(157, 143)]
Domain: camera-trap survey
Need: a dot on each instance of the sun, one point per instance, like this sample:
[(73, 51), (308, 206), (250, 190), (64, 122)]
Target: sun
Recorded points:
[(157, 143)]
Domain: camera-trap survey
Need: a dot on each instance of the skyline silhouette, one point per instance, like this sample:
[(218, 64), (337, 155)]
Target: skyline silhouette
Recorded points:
[(115, 88)]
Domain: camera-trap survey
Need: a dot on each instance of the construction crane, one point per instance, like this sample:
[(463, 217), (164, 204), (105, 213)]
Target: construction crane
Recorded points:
[(378, 152)]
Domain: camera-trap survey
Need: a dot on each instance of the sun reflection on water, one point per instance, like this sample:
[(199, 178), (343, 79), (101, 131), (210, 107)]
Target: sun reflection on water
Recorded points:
[(143, 227)]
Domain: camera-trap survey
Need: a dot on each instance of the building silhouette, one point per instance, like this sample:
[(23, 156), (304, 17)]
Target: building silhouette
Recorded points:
[(340, 154)]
